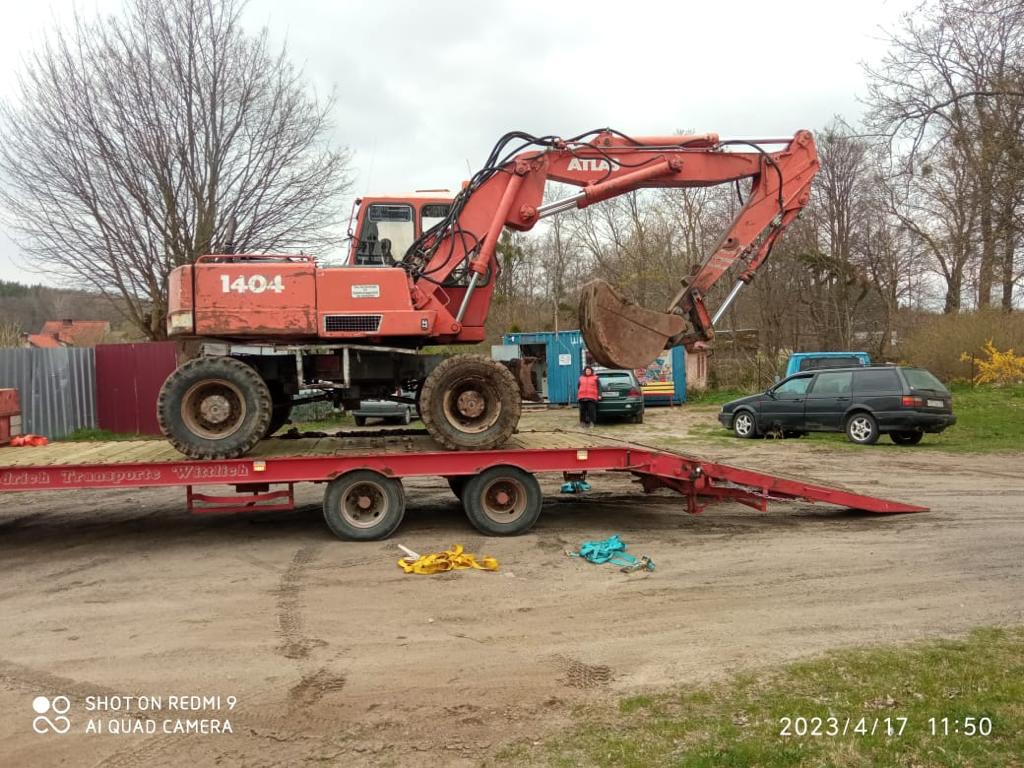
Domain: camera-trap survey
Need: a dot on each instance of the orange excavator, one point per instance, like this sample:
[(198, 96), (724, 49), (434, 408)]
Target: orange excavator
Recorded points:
[(267, 330)]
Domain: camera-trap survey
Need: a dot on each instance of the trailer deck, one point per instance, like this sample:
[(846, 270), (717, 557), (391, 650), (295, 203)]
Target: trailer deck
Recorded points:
[(364, 498)]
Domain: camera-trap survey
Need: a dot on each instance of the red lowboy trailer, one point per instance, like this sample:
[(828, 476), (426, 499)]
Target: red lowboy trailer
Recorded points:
[(364, 498)]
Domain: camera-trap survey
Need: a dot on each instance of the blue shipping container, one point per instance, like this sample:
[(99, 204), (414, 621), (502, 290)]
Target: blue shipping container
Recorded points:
[(561, 357), (559, 361)]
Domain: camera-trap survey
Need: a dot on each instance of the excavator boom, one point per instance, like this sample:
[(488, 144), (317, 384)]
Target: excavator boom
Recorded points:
[(509, 192)]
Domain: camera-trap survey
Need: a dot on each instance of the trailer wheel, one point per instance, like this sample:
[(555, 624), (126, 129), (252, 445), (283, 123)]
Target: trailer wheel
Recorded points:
[(214, 408), (363, 505), (502, 501), (470, 403), (458, 484)]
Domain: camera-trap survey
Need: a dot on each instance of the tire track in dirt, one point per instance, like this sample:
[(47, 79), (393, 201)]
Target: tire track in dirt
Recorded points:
[(19, 678), (295, 644)]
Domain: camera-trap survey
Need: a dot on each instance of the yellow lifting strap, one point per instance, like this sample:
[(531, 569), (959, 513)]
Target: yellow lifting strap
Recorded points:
[(450, 560)]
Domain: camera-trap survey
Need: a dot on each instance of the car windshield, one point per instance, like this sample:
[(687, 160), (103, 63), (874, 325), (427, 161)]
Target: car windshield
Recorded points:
[(919, 378)]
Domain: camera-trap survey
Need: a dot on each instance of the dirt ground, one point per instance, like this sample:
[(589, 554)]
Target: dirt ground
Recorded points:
[(337, 657)]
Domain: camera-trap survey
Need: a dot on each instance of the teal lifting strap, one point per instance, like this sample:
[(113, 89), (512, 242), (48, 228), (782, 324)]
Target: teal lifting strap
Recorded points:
[(611, 550)]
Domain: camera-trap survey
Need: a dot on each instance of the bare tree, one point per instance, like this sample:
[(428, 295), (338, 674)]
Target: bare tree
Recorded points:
[(954, 76), (137, 144)]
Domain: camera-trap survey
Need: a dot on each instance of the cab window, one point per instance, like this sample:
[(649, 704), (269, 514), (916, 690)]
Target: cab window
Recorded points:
[(796, 386), (432, 213), (388, 231)]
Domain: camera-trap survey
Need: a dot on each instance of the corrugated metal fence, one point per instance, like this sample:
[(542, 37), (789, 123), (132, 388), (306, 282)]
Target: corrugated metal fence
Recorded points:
[(56, 387)]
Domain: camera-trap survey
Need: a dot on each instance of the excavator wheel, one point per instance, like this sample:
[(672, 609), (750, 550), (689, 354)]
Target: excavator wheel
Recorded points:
[(214, 408), (619, 333), (470, 403), (282, 408)]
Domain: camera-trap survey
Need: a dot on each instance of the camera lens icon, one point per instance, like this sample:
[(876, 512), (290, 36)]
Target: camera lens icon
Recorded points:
[(59, 706)]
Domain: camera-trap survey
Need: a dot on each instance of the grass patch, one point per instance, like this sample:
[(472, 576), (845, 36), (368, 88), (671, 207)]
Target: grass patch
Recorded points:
[(714, 396), (93, 435), (989, 420), (738, 722)]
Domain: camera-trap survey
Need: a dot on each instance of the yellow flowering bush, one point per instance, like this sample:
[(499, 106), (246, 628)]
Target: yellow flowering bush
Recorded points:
[(999, 368)]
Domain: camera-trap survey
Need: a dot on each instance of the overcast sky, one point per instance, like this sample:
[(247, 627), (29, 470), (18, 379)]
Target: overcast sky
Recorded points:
[(425, 88)]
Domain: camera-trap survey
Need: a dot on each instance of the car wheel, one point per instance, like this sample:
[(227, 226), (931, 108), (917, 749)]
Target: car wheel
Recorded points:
[(909, 437), (407, 416), (360, 421), (861, 428), (638, 418), (743, 425)]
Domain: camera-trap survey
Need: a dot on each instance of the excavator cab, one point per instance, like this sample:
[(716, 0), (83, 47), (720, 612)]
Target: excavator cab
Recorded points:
[(387, 226)]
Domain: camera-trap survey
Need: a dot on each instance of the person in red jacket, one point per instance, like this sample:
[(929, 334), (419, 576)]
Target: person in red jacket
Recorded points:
[(588, 394)]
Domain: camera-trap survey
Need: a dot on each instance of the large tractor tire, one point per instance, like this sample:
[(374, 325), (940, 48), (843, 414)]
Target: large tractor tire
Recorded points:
[(214, 408), (282, 408), (470, 403)]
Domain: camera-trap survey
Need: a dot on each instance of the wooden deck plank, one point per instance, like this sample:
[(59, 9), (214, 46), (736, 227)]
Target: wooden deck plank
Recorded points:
[(158, 451)]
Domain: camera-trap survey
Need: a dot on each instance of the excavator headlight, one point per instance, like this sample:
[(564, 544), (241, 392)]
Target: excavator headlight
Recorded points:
[(180, 322)]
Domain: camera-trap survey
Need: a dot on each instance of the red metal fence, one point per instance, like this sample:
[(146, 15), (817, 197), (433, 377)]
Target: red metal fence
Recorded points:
[(128, 379)]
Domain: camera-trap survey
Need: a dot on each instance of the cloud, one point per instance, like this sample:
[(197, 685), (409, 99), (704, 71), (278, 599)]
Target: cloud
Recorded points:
[(423, 89)]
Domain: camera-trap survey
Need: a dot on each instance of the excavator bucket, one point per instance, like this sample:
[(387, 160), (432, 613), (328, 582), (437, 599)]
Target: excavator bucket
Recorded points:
[(522, 369), (619, 333)]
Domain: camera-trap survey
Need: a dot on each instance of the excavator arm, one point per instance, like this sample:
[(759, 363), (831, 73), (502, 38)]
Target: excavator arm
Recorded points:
[(509, 192)]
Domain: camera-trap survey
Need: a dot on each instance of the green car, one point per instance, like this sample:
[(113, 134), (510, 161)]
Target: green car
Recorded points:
[(621, 397)]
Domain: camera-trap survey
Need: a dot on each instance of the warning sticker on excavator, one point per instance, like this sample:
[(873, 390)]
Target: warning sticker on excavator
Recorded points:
[(371, 291)]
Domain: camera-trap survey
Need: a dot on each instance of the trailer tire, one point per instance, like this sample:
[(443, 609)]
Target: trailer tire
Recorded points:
[(502, 501), (470, 403), (363, 505), (214, 408), (458, 484)]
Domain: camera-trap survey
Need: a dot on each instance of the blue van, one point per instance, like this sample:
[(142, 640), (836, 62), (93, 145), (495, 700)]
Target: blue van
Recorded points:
[(813, 361)]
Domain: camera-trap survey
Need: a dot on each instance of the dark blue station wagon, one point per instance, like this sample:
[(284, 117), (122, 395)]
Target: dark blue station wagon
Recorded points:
[(865, 402)]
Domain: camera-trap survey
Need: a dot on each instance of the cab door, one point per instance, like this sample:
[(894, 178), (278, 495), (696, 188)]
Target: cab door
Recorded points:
[(827, 400), (783, 405)]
